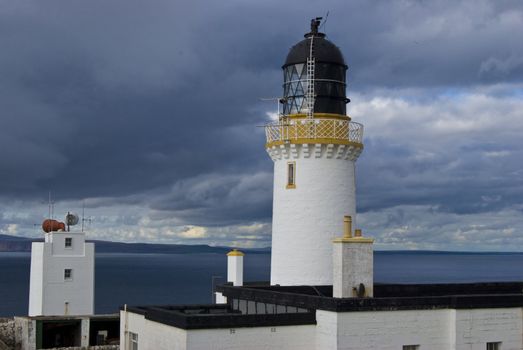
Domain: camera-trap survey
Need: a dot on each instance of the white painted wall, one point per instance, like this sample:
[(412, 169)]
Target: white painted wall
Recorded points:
[(220, 298), (431, 329), (306, 219), (151, 335), (157, 336), (235, 269), (474, 328), (384, 330), (253, 338), (48, 291), (326, 330), (36, 284), (446, 329)]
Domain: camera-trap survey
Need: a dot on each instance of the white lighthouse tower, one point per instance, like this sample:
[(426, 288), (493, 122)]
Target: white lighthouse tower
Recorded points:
[(62, 272), (314, 146)]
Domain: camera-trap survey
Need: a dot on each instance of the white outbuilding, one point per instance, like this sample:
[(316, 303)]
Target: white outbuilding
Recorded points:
[(322, 294), (62, 273)]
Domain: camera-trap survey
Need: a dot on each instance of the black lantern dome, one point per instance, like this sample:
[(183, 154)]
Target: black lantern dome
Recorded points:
[(329, 75)]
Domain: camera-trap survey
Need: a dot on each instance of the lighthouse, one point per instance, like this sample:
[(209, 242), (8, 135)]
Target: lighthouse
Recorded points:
[(314, 145)]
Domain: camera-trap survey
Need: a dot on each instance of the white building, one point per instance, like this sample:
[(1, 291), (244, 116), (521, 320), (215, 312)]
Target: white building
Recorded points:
[(444, 322), (62, 275), (322, 295)]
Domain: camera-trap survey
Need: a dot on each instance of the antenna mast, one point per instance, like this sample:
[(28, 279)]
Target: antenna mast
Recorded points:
[(279, 100), (89, 220), (51, 207), (83, 215)]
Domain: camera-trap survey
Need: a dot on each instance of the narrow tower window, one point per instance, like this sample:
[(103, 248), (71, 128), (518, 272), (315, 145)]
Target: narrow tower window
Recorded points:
[(291, 175), (68, 274), (494, 346), (68, 242)]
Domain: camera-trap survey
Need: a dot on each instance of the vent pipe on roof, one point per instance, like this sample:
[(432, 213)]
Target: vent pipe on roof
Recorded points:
[(235, 267)]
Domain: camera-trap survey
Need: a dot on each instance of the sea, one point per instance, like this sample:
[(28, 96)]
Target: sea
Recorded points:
[(160, 279)]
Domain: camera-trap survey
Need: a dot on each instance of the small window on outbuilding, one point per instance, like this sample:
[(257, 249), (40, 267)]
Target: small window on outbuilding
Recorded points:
[(133, 341), (68, 242), (494, 345), (410, 347), (68, 274), (291, 175)]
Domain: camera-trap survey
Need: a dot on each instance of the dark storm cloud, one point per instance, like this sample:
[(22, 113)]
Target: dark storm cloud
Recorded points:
[(207, 200), (461, 154), (118, 104), (457, 181), (156, 103)]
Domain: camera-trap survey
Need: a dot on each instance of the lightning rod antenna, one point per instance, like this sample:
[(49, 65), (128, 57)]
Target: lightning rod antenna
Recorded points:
[(49, 204), (83, 214), (325, 21)]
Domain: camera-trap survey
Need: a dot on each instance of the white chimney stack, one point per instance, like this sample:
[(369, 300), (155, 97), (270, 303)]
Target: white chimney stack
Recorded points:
[(353, 268)]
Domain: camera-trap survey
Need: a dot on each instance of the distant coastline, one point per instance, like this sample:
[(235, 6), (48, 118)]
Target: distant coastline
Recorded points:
[(22, 244)]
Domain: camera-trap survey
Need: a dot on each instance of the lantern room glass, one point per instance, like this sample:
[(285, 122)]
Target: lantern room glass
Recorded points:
[(329, 88)]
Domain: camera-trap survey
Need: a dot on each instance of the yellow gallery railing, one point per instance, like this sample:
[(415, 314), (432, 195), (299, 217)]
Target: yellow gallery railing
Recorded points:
[(312, 130)]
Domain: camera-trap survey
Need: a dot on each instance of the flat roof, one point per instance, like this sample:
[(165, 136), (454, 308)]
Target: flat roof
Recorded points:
[(217, 316), (387, 297), (258, 304), (73, 317)]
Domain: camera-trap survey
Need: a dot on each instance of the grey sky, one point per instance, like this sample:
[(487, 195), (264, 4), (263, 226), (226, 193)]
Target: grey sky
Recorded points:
[(148, 111)]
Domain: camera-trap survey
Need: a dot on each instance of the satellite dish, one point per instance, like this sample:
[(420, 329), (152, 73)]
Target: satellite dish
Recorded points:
[(71, 219)]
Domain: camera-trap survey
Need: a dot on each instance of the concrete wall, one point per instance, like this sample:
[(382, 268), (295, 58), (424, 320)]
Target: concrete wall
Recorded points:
[(7, 331), (308, 217), (49, 292), (98, 347), (431, 329), (25, 333)]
